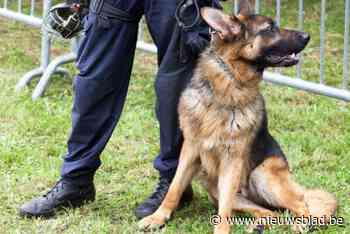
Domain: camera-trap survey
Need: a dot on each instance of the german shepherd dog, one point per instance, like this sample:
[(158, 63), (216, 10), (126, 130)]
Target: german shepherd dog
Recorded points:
[(224, 122)]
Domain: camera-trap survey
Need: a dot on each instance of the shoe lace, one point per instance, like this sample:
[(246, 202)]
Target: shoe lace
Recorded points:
[(161, 189), (54, 189)]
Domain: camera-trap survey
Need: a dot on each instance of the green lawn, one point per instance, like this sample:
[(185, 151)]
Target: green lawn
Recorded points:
[(314, 131)]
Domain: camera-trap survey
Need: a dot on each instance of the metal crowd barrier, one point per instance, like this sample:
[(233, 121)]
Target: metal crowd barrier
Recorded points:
[(275, 77), (48, 68), (342, 93), (34, 19)]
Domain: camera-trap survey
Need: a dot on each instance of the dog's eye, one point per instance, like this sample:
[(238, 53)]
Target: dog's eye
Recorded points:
[(268, 29)]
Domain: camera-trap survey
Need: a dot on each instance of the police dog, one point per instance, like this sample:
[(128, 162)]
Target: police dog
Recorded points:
[(224, 123)]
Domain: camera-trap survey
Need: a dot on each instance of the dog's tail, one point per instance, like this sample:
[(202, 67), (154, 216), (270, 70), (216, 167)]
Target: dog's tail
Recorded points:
[(321, 204)]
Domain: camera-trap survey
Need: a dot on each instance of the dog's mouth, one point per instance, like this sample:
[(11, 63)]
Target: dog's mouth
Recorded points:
[(287, 52), (283, 60)]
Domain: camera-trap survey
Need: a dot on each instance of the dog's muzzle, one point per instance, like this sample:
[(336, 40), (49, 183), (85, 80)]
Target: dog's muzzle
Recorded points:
[(64, 20)]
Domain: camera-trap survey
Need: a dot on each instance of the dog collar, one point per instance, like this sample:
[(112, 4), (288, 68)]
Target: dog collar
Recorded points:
[(222, 64)]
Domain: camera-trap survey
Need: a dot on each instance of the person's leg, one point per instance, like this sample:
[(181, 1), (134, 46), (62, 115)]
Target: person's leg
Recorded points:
[(104, 60), (173, 75), (105, 64), (178, 51)]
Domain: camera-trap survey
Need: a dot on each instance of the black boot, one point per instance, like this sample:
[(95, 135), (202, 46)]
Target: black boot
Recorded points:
[(151, 204), (62, 195)]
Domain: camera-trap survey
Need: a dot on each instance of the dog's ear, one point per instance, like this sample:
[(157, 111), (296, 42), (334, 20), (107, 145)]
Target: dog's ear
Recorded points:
[(227, 27), (245, 8)]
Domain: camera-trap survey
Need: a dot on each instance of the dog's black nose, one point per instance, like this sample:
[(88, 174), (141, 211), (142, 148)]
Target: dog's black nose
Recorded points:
[(305, 37)]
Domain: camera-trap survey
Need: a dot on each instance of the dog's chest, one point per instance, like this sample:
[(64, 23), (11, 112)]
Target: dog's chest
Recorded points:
[(230, 126), (215, 125)]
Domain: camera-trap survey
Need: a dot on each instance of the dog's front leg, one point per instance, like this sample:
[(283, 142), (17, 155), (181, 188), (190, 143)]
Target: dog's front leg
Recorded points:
[(188, 166), (231, 168)]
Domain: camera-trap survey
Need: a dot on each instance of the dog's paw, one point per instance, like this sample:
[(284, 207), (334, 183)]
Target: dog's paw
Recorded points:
[(152, 222), (300, 228)]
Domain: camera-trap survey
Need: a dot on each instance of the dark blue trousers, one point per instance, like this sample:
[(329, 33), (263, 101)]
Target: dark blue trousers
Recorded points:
[(105, 59)]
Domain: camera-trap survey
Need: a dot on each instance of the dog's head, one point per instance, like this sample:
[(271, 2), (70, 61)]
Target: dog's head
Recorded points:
[(257, 38)]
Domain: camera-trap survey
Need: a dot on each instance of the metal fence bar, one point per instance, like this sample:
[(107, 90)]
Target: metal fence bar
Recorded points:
[(140, 34), (235, 7), (5, 4), (30, 20), (278, 12), (19, 6), (147, 47), (322, 41), (321, 89), (141, 43), (278, 22), (257, 6), (45, 40), (32, 7), (52, 68), (301, 28), (346, 45)]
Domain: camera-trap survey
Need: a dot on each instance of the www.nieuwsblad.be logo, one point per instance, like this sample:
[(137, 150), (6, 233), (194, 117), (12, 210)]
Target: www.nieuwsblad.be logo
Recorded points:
[(303, 220)]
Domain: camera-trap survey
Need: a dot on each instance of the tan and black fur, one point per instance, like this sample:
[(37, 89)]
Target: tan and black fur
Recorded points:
[(224, 123)]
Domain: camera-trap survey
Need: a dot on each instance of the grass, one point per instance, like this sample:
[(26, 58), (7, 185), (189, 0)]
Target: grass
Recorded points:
[(314, 132)]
